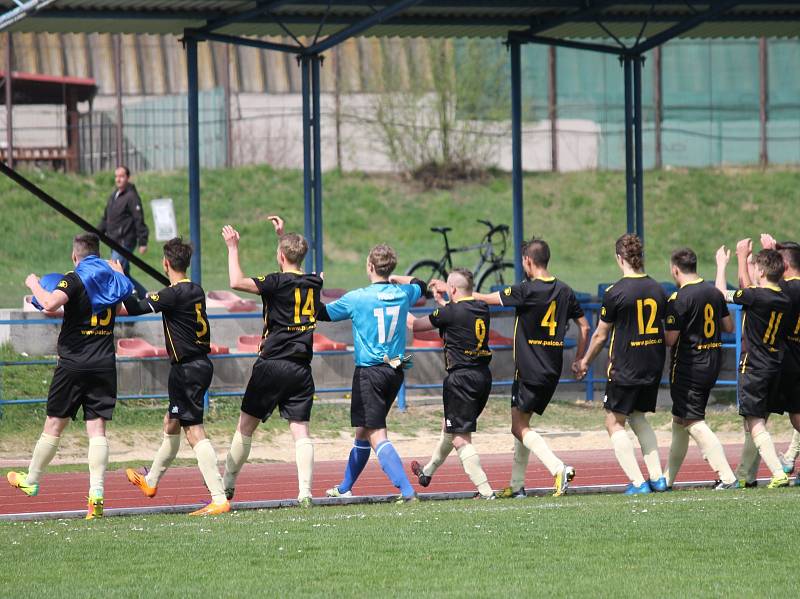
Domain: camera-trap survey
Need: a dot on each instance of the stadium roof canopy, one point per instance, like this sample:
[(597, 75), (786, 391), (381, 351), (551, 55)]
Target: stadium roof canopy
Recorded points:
[(424, 18), (315, 26)]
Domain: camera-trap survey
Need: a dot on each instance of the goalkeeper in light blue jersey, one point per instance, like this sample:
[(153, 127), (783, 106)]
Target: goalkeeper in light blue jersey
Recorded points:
[(379, 315)]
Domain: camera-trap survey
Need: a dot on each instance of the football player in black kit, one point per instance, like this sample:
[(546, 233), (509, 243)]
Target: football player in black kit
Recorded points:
[(463, 324), (281, 375), (767, 310), (543, 308), (789, 399), (696, 317), (188, 339), (632, 313), (85, 376)]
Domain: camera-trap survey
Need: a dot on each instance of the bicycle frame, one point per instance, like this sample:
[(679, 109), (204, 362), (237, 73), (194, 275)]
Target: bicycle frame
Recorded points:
[(446, 261)]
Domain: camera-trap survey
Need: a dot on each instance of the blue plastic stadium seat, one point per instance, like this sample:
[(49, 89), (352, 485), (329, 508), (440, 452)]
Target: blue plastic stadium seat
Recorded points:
[(669, 287), (570, 343), (583, 297), (497, 288), (601, 290)]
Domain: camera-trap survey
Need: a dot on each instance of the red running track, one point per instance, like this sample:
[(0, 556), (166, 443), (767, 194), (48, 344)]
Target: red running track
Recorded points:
[(63, 492)]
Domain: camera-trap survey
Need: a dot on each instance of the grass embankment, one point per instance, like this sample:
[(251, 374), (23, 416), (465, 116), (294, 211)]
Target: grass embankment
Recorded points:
[(581, 214), (685, 543)]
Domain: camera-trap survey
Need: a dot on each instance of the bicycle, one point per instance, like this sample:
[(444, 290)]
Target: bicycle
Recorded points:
[(499, 273)]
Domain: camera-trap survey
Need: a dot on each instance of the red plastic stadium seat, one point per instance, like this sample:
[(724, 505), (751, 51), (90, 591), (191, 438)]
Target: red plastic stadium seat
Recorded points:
[(136, 347), (249, 344), (322, 343), (219, 349), (27, 306), (122, 310), (496, 338), (229, 301), (427, 339), (332, 294)]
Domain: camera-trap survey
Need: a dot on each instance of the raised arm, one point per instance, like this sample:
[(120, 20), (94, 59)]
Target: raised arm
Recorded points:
[(50, 300), (671, 337), (237, 279), (723, 257), (744, 249), (728, 325)]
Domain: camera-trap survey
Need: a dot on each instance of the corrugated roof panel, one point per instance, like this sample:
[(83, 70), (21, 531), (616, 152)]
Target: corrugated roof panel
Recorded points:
[(430, 18)]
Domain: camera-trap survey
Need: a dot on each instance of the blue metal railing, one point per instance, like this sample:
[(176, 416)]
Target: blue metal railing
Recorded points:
[(590, 308)]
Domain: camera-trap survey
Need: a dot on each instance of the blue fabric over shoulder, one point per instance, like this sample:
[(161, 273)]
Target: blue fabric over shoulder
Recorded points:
[(104, 286)]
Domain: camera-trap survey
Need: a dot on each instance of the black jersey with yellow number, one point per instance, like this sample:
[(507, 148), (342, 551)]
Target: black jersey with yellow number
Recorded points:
[(696, 310), (543, 310), (291, 302), (791, 358), (634, 305), (766, 321), (464, 326), (86, 340), (187, 333)]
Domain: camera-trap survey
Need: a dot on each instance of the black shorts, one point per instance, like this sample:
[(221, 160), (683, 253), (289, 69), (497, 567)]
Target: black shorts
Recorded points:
[(465, 393), (689, 400), (528, 398), (187, 386), (788, 397), (287, 384), (70, 389), (626, 399), (758, 392), (374, 391)]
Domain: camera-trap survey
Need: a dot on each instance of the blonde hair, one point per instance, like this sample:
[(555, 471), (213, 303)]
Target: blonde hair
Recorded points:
[(293, 246), (383, 259)]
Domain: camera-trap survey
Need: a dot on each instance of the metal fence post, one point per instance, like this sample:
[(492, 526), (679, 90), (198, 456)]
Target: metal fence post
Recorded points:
[(401, 398), (589, 391)]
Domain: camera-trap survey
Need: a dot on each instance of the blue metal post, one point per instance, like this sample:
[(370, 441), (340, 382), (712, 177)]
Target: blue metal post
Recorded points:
[(590, 372), (307, 174), (629, 176), (206, 402), (194, 157), (516, 154), (638, 61), (315, 90), (401, 398)]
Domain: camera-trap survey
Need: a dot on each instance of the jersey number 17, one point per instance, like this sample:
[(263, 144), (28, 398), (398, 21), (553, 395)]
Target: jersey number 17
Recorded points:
[(380, 314)]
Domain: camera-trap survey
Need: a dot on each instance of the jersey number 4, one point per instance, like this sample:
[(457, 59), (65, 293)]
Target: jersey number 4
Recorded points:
[(380, 314)]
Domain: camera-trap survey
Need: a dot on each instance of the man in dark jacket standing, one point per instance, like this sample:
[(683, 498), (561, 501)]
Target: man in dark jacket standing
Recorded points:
[(123, 221)]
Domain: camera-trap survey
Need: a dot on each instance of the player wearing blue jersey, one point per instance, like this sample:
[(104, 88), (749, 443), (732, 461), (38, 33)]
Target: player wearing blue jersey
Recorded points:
[(378, 313)]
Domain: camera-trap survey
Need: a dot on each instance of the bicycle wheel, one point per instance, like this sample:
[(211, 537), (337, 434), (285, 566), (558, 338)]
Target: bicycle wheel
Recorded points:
[(425, 270), (498, 275)]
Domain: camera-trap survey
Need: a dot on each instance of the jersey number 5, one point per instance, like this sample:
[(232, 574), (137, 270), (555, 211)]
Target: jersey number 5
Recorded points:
[(394, 312), (200, 320), (652, 308)]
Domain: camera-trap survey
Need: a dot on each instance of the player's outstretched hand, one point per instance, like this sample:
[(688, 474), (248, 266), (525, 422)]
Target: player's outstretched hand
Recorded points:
[(31, 280), (744, 247), (277, 222), (768, 241), (116, 266), (723, 256), (231, 236)]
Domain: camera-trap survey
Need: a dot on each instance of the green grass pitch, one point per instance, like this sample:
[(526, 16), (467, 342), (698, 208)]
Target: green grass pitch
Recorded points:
[(685, 543)]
